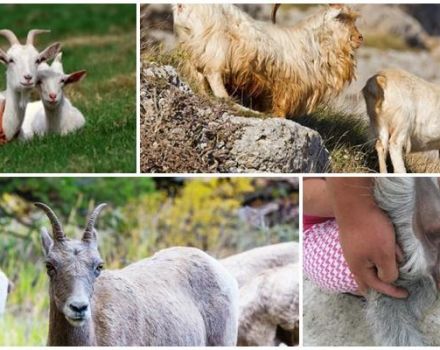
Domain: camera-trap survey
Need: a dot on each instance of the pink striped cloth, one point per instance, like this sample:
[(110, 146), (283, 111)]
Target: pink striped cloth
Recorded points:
[(324, 263)]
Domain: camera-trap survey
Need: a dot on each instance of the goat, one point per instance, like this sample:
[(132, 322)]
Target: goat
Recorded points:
[(268, 278), (5, 288), (21, 63), (403, 112), (287, 71), (413, 205), (54, 112), (179, 297)]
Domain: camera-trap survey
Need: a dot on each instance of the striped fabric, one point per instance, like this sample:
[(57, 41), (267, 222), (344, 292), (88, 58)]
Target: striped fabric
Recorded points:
[(324, 263)]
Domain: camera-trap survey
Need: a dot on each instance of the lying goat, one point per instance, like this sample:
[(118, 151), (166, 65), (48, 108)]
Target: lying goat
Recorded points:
[(54, 113), (287, 71)]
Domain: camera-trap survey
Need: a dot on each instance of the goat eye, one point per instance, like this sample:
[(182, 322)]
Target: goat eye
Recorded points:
[(50, 269), (62, 81), (38, 82), (11, 60), (98, 269), (39, 60)]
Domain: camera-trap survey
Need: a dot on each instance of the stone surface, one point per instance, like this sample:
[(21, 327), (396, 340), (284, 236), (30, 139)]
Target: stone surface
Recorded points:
[(183, 132)]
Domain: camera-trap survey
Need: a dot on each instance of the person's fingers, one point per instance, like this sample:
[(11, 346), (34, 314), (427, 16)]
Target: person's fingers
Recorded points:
[(387, 270), (374, 282)]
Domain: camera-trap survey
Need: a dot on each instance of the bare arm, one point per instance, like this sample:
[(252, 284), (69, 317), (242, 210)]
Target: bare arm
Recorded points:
[(316, 200)]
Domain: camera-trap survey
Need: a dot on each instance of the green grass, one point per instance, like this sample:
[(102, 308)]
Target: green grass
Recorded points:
[(102, 40)]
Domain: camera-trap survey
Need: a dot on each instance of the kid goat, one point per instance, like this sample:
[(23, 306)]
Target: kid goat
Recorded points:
[(179, 297), (54, 112), (403, 111), (286, 70), (21, 63)]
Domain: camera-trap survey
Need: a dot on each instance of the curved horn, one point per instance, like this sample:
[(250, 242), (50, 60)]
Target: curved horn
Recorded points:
[(56, 225), (8, 34), (275, 8), (88, 232), (32, 33)]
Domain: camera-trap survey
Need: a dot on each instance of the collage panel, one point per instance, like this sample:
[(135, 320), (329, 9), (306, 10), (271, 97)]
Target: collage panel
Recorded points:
[(370, 261), (290, 88), (149, 261), (68, 103)]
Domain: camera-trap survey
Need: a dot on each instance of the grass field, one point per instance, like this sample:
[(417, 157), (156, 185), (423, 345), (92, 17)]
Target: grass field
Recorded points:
[(102, 40)]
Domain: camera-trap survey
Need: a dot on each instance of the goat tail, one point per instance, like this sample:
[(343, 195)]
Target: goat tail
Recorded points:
[(396, 322)]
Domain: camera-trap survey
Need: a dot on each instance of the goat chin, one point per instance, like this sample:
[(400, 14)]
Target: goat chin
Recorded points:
[(286, 71)]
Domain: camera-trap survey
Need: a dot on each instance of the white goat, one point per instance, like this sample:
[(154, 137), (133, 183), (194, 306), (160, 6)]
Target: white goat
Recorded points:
[(179, 297), (4, 291), (22, 62), (403, 111), (268, 278), (54, 113), (287, 71)]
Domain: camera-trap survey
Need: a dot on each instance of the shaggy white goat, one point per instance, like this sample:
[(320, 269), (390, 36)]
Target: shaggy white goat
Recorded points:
[(403, 111), (287, 71), (21, 62), (179, 297), (268, 278), (4, 290), (54, 113)]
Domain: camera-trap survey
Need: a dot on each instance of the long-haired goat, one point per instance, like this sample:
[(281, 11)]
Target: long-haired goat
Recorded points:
[(268, 278), (413, 205), (21, 61), (179, 297), (403, 111), (287, 71)]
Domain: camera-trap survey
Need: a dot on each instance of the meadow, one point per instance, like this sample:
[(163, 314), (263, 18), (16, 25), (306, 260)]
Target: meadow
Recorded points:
[(144, 216), (102, 40)]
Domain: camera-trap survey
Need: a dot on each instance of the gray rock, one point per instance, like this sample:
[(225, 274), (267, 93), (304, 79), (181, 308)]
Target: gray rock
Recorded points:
[(184, 132)]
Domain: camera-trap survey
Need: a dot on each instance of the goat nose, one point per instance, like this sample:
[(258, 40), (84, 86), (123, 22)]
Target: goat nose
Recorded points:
[(28, 77), (52, 96), (79, 307)]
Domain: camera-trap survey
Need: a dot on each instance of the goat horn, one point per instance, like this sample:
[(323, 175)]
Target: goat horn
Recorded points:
[(88, 232), (32, 33), (56, 225), (275, 8), (8, 34)]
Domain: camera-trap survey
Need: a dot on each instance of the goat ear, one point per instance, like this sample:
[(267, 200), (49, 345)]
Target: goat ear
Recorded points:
[(427, 210), (4, 57), (49, 52), (74, 77), (46, 240)]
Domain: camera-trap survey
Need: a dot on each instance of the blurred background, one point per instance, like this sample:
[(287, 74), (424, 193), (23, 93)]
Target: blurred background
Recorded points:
[(221, 216)]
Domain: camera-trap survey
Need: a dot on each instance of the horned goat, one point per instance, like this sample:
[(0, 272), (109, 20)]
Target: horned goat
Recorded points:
[(403, 112), (5, 287), (268, 278), (21, 63), (285, 70), (179, 297), (54, 113)]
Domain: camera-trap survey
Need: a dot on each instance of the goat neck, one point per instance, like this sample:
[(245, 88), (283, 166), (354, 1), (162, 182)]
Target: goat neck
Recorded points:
[(62, 333)]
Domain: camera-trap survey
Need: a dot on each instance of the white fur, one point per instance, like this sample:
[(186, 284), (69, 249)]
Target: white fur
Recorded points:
[(4, 285), (41, 116)]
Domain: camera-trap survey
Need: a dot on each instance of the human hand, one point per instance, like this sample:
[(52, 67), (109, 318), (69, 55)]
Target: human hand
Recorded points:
[(367, 236)]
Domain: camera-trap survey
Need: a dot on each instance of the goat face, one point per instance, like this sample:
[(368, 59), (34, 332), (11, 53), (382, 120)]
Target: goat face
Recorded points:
[(22, 61), (343, 22), (73, 267), (51, 81)]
